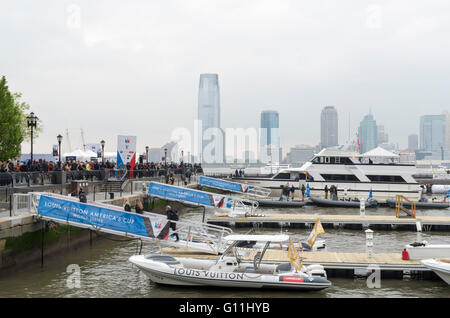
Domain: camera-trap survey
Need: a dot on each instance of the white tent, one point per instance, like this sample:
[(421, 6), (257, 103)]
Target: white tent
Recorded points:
[(81, 155), (379, 153)]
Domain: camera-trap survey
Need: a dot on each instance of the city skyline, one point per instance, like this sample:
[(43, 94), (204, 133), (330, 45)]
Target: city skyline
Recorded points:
[(140, 76)]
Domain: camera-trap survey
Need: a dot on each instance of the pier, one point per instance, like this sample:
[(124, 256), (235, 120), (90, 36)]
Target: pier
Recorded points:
[(355, 222), (337, 264)]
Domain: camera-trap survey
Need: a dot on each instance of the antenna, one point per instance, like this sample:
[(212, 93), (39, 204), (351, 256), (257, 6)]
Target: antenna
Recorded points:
[(68, 140), (82, 139)]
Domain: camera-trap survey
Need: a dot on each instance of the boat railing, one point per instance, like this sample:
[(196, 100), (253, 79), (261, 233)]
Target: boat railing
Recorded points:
[(195, 235)]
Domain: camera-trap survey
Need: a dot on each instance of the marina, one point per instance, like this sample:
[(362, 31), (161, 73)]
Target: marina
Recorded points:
[(244, 151), (304, 220)]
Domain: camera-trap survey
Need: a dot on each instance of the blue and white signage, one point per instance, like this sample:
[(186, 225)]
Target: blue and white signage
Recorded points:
[(225, 185), (170, 192), (89, 214)]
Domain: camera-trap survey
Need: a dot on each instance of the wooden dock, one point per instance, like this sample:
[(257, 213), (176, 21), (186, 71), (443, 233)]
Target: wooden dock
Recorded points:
[(337, 264), (383, 222)]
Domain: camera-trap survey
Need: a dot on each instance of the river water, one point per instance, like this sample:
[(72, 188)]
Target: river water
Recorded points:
[(105, 271)]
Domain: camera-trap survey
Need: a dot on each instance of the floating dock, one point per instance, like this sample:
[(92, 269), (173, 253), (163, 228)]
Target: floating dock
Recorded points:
[(355, 222), (337, 264)]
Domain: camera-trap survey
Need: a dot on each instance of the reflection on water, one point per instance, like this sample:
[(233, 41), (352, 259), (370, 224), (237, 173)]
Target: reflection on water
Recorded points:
[(106, 272)]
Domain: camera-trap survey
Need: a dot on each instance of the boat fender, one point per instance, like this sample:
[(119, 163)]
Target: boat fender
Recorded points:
[(405, 255)]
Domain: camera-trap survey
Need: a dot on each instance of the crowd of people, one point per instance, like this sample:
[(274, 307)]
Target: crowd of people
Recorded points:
[(38, 171)]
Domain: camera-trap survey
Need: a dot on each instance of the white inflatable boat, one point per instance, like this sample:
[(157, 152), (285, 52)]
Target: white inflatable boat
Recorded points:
[(440, 266), (424, 250), (231, 270)]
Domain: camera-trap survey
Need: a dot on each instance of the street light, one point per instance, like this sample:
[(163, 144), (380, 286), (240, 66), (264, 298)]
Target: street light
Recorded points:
[(182, 155), (31, 123), (59, 137), (103, 150), (165, 157), (146, 153)]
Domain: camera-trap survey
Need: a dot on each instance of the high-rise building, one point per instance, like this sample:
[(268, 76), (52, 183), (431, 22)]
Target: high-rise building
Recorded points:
[(299, 154), (432, 134), (368, 133), (328, 127), (413, 142), (383, 137), (269, 137), (209, 118), (447, 130)]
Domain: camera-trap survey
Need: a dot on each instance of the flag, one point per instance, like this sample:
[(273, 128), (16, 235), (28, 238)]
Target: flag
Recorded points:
[(370, 194), (294, 256), (307, 191), (318, 229)]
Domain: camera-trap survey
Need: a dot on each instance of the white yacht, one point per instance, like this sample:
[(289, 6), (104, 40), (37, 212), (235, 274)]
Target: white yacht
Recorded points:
[(354, 174)]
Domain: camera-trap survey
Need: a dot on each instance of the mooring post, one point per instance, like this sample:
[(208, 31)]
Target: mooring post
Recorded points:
[(369, 243), (362, 207), (42, 243)]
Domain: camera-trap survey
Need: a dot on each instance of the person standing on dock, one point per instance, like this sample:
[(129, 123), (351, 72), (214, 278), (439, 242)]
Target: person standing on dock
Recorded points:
[(292, 192), (303, 189), (82, 196), (172, 216), (126, 206), (139, 207), (326, 192)]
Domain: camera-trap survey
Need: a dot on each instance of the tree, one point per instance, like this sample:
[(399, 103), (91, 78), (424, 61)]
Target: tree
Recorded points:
[(13, 123)]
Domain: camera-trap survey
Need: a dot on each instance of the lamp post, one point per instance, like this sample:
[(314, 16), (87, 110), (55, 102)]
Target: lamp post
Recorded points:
[(165, 156), (146, 153), (103, 150), (182, 155), (59, 138), (31, 123)]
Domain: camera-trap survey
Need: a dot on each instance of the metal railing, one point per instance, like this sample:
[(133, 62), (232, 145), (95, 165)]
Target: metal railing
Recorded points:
[(200, 236)]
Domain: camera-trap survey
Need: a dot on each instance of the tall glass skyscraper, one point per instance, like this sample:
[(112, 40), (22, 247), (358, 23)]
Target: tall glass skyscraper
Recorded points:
[(209, 111), (269, 138), (432, 133), (368, 133), (329, 127)]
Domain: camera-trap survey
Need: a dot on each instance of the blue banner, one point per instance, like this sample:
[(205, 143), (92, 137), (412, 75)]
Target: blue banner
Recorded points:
[(181, 194), (68, 210), (225, 185)]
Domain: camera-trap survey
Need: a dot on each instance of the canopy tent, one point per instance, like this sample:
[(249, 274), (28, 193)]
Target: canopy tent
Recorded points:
[(81, 155), (379, 153)]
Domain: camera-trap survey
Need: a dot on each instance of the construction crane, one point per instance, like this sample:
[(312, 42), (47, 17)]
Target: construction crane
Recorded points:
[(68, 140)]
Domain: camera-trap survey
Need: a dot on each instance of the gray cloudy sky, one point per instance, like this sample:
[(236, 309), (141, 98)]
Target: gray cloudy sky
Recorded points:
[(132, 67)]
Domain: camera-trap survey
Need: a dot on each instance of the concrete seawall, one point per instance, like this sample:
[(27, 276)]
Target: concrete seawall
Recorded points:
[(26, 241)]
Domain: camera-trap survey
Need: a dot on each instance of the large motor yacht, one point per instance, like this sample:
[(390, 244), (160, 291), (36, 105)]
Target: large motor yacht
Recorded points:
[(355, 175)]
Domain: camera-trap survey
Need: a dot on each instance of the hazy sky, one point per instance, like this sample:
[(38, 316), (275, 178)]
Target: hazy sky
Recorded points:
[(116, 67)]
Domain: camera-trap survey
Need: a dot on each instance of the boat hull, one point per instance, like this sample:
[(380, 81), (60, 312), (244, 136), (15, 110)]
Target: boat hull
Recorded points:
[(421, 205), (428, 251), (442, 269), (192, 277), (341, 204), (279, 203)]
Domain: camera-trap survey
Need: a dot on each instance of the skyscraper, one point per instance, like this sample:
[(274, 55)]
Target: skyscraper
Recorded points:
[(447, 130), (368, 133), (269, 138), (328, 127), (432, 133), (413, 142), (209, 118), (383, 137)]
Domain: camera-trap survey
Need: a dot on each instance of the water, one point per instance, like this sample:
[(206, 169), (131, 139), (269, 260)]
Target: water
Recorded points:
[(105, 271)]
